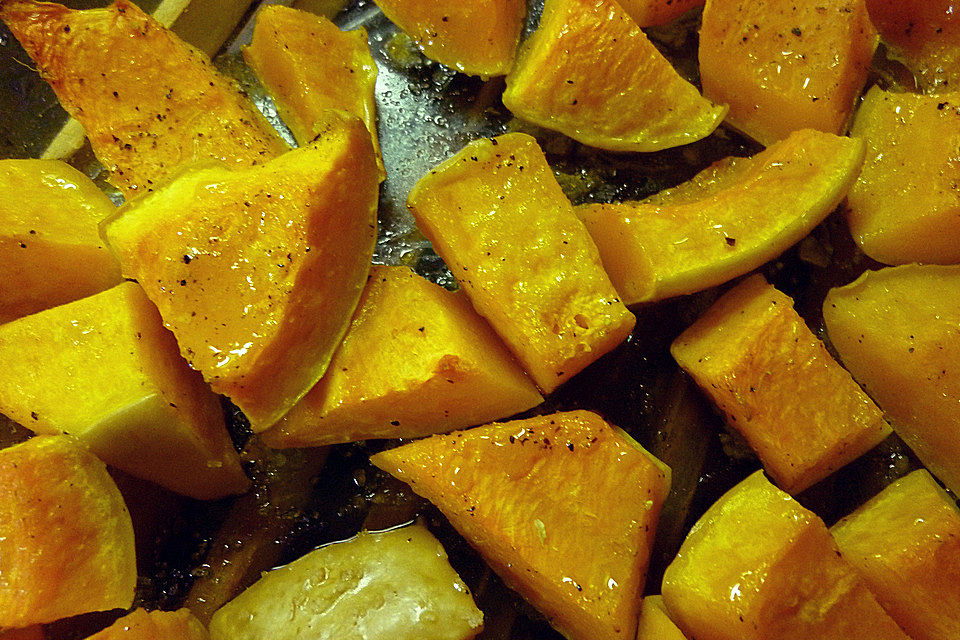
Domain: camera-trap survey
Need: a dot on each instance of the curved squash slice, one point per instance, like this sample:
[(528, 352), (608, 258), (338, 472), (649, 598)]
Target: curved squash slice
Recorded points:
[(784, 65), (257, 271), (308, 65), (417, 360), (564, 507), (754, 211), (66, 539), (590, 72), (148, 102), (906, 206), (155, 625), (477, 37), (649, 13), (50, 251), (898, 332)]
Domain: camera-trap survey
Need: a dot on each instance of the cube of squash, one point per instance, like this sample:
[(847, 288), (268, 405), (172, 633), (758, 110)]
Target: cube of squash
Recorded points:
[(149, 102), (155, 625), (66, 539), (104, 370), (257, 271), (774, 380), (308, 65), (50, 250), (495, 213), (417, 360), (759, 566), (906, 543), (564, 507), (655, 624), (590, 73), (395, 585), (905, 207), (649, 13), (784, 65), (478, 37), (727, 221), (898, 332)]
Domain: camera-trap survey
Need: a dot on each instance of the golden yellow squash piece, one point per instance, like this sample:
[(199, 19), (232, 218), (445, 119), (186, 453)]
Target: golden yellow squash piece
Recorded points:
[(759, 566), (906, 543), (416, 360), (257, 271), (906, 206), (774, 380), (149, 103), (590, 73), (155, 625), (496, 215), (564, 507), (898, 332), (655, 624), (66, 539), (104, 370), (50, 251), (750, 212), (395, 585), (308, 65), (477, 37)]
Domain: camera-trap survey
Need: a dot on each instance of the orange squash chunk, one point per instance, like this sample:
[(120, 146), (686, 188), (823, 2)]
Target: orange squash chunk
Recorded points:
[(906, 207), (655, 624), (727, 221), (149, 103), (759, 566), (155, 625), (549, 299), (140, 408), (924, 35), (416, 360), (50, 250), (649, 13), (308, 65), (563, 507), (784, 65), (777, 385), (898, 332), (478, 37), (906, 543), (257, 271), (66, 539), (590, 72)]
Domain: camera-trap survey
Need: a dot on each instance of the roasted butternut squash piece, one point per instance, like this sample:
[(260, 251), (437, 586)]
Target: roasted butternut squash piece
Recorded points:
[(730, 220), (564, 507), (27, 633), (898, 332), (777, 385), (308, 65), (759, 566), (395, 585), (104, 370), (906, 207), (906, 543), (590, 73), (784, 65), (148, 102), (924, 35), (497, 216), (655, 624), (649, 13), (155, 625), (478, 37), (50, 251), (416, 360), (257, 271), (66, 539)]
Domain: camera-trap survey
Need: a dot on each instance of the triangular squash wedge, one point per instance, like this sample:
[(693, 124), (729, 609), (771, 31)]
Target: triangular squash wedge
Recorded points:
[(752, 210), (257, 271), (590, 72), (417, 360), (563, 507)]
